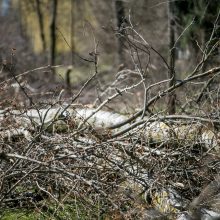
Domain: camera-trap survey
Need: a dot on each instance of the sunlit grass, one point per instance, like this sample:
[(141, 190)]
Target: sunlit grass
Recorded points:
[(69, 211)]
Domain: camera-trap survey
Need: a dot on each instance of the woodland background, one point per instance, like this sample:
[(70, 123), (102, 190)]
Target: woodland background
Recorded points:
[(39, 33)]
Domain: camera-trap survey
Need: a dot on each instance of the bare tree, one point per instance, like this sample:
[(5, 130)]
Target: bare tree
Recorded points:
[(73, 4), (171, 72), (53, 33), (120, 15), (41, 23)]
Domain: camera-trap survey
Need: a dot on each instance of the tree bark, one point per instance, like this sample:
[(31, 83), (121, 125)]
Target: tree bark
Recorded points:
[(120, 16), (72, 29), (53, 33), (41, 23), (73, 5), (172, 57)]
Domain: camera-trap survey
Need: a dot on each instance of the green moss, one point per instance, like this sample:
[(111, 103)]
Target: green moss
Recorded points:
[(67, 212), (21, 215)]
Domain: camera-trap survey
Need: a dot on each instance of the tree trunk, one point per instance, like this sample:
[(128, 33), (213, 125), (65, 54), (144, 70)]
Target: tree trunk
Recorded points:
[(171, 72), (41, 23), (68, 72), (53, 33), (73, 5), (120, 16)]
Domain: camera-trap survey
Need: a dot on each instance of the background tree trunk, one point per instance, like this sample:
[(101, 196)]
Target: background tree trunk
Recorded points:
[(73, 6), (120, 16), (171, 72), (41, 23), (69, 70), (53, 33)]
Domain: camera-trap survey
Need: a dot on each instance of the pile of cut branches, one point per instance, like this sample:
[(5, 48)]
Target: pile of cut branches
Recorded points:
[(63, 154)]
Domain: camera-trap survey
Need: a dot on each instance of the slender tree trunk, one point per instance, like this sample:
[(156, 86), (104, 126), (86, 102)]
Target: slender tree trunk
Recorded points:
[(53, 33), (172, 57), (72, 29), (41, 23), (120, 16), (73, 6), (22, 21)]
